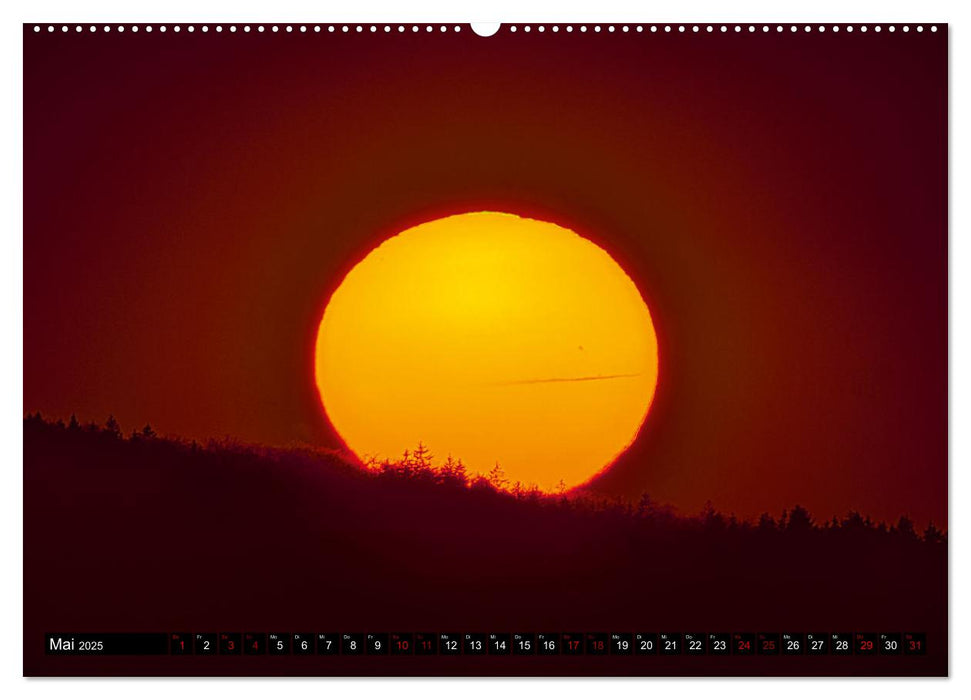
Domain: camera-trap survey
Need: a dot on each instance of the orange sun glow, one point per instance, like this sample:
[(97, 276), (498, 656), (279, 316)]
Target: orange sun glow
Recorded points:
[(493, 338)]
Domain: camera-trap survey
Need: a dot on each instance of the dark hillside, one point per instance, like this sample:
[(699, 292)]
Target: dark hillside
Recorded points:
[(147, 534)]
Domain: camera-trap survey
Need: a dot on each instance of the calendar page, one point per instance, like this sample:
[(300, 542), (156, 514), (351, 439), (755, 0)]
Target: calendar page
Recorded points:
[(493, 350)]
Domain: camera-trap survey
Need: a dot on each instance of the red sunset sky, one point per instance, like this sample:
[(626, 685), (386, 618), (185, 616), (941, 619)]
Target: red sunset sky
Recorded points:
[(191, 200)]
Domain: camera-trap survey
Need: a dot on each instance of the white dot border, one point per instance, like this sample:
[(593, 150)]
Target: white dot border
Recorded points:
[(691, 29)]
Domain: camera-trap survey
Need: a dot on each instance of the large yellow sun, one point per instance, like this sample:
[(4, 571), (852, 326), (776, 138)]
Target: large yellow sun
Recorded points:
[(493, 338)]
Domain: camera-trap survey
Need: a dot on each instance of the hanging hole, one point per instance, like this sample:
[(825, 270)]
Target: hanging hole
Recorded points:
[(485, 29)]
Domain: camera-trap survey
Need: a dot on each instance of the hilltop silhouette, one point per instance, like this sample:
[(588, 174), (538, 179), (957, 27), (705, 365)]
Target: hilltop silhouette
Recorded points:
[(143, 532)]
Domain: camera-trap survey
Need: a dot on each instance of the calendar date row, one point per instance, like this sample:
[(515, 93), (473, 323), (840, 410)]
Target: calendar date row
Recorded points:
[(494, 643)]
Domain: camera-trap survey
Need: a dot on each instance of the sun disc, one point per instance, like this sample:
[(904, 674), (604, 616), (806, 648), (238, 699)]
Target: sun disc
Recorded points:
[(493, 338)]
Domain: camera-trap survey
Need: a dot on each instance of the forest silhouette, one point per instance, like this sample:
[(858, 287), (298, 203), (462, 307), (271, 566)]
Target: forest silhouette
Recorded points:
[(159, 533)]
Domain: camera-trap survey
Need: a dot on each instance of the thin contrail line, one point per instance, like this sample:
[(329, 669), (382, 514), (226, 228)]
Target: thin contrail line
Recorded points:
[(556, 380)]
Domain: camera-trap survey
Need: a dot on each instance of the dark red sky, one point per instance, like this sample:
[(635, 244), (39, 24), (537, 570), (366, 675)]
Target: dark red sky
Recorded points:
[(191, 200)]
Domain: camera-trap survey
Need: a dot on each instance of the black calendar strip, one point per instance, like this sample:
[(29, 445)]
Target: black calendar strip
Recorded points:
[(489, 644)]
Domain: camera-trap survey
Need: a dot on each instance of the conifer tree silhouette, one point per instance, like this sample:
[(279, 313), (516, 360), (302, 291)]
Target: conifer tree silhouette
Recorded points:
[(799, 520), (497, 477), (905, 527), (112, 427), (933, 535)]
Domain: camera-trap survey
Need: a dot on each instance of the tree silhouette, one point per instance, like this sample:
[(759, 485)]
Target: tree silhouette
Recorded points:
[(933, 535), (711, 518), (800, 520), (905, 527), (421, 458), (766, 523), (112, 427), (497, 477), (452, 471), (853, 522), (480, 483)]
